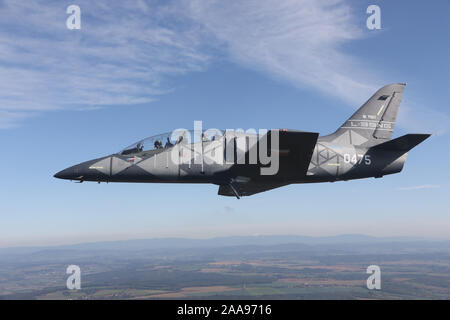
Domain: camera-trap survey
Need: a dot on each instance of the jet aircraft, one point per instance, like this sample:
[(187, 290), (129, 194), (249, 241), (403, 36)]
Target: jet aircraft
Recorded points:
[(246, 163)]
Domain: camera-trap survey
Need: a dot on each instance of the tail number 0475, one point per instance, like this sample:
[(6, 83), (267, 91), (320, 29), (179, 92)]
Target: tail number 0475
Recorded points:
[(358, 159)]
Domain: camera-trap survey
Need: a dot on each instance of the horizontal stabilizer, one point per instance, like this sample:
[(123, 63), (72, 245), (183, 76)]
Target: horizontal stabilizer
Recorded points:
[(403, 143)]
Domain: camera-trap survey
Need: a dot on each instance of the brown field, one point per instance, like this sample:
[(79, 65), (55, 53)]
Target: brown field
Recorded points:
[(190, 290), (327, 282), (280, 265)]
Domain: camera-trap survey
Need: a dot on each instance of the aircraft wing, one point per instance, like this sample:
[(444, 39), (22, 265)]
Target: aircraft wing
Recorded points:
[(247, 188), (295, 152)]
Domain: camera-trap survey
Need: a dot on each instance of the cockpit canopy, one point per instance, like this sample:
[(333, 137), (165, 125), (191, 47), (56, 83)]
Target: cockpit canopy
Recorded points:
[(167, 140), (155, 142)]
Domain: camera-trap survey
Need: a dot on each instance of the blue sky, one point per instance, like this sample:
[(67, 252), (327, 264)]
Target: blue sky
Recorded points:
[(145, 67)]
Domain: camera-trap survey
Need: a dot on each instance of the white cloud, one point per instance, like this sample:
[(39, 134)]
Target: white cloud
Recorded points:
[(297, 41), (122, 55), (126, 51), (424, 186), (302, 42)]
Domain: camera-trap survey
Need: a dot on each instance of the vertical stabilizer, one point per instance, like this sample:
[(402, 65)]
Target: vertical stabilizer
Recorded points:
[(374, 122)]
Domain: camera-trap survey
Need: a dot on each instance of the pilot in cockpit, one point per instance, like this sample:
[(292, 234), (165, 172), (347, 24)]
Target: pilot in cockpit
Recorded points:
[(139, 147), (158, 144), (180, 138), (168, 143)]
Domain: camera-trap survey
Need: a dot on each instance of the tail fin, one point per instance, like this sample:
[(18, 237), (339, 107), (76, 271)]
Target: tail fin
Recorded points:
[(374, 122)]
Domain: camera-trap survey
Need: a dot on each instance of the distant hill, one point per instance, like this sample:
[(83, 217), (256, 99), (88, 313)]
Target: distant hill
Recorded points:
[(184, 243)]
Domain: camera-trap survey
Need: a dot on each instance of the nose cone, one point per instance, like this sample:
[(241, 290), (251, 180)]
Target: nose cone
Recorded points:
[(68, 174), (92, 170)]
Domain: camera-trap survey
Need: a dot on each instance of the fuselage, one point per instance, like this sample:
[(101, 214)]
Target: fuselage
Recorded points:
[(329, 162)]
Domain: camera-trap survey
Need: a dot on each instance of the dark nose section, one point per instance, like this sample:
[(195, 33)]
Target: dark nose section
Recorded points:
[(92, 170), (68, 174)]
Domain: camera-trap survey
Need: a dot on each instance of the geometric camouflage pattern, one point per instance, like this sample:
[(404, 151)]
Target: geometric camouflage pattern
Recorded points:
[(362, 147)]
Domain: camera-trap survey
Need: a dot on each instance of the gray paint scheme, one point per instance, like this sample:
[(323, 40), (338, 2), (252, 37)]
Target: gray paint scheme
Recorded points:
[(360, 148)]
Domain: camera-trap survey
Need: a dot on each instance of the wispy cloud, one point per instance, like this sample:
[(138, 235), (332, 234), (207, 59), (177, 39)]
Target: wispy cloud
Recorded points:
[(424, 186), (302, 42), (126, 51), (122, 55), (297, 41)]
